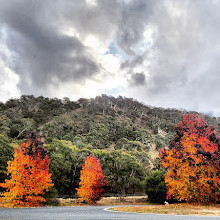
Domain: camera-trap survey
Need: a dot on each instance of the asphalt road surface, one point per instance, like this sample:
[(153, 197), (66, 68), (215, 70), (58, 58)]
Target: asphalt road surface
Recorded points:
[(84, 213)]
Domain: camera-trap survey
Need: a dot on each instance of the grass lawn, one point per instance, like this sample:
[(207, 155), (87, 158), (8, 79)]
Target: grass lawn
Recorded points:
[(177, 209)]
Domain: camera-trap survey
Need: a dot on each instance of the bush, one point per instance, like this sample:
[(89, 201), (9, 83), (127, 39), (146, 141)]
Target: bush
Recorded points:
[(51, 193), (51, 197), (155, 187)]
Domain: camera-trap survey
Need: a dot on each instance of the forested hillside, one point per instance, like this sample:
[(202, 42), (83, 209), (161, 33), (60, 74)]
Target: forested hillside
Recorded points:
[(124, 134)]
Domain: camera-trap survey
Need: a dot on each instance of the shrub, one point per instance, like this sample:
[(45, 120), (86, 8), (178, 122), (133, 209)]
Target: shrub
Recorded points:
[(155, 187)]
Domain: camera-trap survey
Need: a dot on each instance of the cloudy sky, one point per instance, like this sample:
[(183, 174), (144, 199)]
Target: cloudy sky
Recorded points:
[(161, 52)]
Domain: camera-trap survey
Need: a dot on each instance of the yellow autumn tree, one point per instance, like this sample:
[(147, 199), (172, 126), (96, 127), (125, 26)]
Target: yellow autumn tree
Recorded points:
[(29, 175), (192, 162)]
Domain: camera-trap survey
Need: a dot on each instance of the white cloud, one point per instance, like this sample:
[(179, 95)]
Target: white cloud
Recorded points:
[(8, 82)]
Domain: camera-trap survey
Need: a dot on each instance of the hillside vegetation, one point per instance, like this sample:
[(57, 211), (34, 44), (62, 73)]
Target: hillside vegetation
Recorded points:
[(124, 134)]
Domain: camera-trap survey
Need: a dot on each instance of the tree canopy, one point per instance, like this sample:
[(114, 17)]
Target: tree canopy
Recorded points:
[(192, 161), (29, 174), (92, 180)]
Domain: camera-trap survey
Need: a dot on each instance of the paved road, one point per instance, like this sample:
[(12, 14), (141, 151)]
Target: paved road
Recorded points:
[(83, 213)]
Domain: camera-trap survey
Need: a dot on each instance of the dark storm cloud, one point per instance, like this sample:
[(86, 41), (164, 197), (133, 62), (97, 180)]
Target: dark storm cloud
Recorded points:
[(100, 20), (134, 18), (42, 54), (138, 79), (180, 66), (183, 68)]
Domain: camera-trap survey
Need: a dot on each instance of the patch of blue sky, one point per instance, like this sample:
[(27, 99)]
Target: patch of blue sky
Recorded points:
[(138, 49), (115, 50), (112, 49)]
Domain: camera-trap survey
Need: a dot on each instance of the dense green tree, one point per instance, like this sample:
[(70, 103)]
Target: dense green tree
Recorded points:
[(160, 142), (65, 166), (157, 164), (155, 187), (98, 136), (124, 143), (6, 154), (4, 125), (20, 128), (123, 172)]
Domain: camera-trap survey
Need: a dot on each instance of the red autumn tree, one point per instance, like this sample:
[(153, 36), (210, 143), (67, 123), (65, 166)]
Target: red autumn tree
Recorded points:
[(92, 180), (29, 172), (192, 161)]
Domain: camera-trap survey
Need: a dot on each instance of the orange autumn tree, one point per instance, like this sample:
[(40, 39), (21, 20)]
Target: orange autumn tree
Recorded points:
[(92, 180), (192, 162), (29, 172)]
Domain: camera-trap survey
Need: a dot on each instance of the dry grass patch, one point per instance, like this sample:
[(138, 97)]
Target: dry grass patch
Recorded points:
[(107, 201), (177, 209), (128, 200), (68, 202)]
